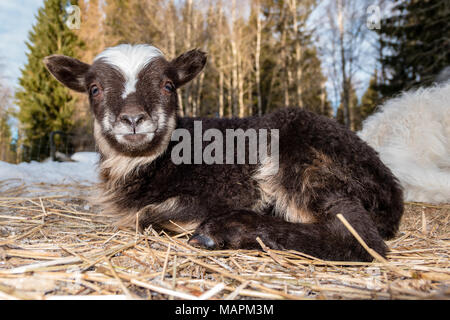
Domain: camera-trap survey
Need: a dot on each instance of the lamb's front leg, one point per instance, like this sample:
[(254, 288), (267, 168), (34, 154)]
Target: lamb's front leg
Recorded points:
[(329, 239), (239, 229)]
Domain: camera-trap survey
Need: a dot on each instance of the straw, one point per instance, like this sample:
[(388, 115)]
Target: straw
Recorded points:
[(54, 246)]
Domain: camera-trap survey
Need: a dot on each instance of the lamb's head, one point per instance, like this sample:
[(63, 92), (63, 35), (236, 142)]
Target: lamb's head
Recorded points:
[(132, 93)]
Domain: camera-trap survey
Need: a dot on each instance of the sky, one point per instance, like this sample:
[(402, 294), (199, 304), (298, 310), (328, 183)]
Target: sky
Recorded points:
[(17, 18)]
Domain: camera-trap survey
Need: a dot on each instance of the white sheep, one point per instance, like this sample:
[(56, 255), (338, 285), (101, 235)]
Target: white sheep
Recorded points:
[(412, 135)]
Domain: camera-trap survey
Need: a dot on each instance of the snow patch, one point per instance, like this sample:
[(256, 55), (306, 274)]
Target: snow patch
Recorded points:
[(82, 171)]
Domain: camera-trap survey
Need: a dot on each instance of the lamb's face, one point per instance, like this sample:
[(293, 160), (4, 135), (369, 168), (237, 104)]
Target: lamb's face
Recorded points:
[(133, 98), (132, 92)]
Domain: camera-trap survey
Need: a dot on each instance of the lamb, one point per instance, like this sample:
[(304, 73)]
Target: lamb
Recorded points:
[(290, 198), (412, 135)]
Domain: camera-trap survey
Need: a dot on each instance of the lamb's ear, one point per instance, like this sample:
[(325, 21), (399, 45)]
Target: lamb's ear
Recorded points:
[(69, 71), (187, 66)]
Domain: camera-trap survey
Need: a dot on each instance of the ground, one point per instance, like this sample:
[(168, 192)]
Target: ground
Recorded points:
[(57, 246)]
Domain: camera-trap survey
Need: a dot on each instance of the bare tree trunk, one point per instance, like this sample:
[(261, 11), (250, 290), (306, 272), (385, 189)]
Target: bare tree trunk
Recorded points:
[(241, 86), (234, 76), (221, 102), (188, 25), (189, 103), (298, 53), (199, 93), (221, 63), (257, 57), (171, 27), (382, 73), (249, 105), (322, 99), (172, 49), (2, 155), (187, 46), (284, 57), (234, 57), (289, 74), (230, 96), (345, 80)]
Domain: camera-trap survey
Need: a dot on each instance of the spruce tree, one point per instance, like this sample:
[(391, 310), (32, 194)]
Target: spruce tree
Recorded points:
[(371, 99), (416, 39), (5, 129), (5, 136), (355, 117), (45, 104), (313, 83)]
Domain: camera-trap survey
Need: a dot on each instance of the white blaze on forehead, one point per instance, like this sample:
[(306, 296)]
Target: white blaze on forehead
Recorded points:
[(130, 60)]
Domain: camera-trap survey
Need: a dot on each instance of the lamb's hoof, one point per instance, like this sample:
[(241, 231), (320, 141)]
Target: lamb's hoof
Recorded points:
[(202, 241)]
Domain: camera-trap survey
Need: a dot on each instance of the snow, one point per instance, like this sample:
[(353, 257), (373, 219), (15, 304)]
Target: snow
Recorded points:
[(82, 171)]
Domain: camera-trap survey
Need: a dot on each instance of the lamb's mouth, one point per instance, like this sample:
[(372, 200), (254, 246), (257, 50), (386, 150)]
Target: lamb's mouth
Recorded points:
[(137, 138)]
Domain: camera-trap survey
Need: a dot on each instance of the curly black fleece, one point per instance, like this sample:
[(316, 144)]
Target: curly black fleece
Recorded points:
[(354, 182)]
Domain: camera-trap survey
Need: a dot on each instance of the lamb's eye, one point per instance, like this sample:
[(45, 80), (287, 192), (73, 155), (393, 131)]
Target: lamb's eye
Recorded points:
[(94, 90), (169, 87)]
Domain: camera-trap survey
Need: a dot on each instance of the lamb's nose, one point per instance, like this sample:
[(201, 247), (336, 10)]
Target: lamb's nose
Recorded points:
[(132, 119)]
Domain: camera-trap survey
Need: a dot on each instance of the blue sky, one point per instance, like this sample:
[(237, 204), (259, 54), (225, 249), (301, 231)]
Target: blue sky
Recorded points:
[(17, 18)]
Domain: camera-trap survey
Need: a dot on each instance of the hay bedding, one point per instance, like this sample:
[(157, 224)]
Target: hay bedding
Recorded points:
[(57, 246)]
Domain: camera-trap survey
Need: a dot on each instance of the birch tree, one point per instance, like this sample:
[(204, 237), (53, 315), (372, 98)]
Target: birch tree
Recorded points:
[(347, 31)]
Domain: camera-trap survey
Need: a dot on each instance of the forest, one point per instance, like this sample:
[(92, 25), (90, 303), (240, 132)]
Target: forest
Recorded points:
[(340, 59)]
